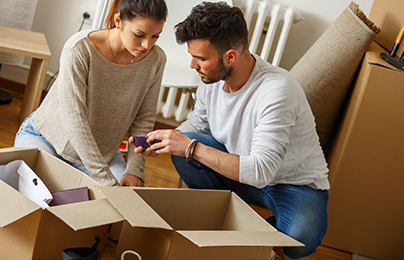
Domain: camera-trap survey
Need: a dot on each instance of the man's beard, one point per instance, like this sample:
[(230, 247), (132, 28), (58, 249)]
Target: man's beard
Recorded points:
[(219, 73)]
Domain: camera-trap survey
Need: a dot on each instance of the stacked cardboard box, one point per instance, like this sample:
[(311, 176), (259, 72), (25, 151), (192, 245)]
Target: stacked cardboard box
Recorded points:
[(29, 232), (366, 157)]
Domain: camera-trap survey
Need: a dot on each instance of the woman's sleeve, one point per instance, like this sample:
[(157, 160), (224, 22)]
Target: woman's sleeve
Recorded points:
[(144, 121)]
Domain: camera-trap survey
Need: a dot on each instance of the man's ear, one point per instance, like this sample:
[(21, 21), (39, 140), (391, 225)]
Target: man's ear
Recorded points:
[(230, 56)]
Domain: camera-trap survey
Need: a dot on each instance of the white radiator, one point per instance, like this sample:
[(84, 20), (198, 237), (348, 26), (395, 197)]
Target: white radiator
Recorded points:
[(269, 25)]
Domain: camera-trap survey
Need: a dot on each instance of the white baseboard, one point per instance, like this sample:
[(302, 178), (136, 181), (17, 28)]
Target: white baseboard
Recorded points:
[(19, 73)]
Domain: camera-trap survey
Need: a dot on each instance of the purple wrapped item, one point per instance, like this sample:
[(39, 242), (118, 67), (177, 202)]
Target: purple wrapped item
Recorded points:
[(140, 140)]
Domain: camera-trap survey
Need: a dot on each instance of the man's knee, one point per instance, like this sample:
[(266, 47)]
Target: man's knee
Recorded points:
[(298, 252), (310, 237)]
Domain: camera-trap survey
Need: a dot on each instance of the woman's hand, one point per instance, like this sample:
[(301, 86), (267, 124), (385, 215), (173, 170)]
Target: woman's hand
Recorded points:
[(130, 180)]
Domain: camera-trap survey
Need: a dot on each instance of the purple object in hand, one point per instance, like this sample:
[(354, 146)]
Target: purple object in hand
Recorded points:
[(140, 140)]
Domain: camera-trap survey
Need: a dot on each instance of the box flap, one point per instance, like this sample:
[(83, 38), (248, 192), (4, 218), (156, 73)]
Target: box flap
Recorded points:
[(372, 56), (87, 214), (28, 155), (133, 208), (14, 205), (240, 216), (187, 209), (238, 238)]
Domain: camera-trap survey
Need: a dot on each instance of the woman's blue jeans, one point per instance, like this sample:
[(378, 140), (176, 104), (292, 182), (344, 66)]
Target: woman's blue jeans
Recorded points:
[(28, 136), (299, 211)]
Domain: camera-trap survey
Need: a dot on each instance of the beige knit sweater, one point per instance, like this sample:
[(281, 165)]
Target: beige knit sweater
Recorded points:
[(94, 103)]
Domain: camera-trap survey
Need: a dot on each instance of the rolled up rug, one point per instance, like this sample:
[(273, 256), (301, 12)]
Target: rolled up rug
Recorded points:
[(327, 69)]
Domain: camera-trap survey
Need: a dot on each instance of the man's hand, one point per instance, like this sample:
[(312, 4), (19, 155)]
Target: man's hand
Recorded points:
[(175, 143), (172, 142), (139, 149), (130, 180)]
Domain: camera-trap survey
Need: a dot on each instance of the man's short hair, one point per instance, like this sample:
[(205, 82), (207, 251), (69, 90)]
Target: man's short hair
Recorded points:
[(224, 26)]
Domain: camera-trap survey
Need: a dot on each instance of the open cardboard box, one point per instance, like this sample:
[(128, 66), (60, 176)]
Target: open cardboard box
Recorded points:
[(175, 224), (29, 232), (366, 165)]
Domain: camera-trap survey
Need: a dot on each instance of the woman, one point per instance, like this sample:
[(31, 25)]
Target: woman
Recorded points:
[(107, 86)]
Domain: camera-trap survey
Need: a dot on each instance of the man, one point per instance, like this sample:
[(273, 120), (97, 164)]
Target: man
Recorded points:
[(252, 130)]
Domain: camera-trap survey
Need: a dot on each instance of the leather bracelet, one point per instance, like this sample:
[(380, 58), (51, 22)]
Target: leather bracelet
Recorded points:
[(188, 150), (193, 151)]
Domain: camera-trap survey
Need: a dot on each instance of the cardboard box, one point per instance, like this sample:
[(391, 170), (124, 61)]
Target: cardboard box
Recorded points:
[(176, 224), (388, 15), (29, 232), (366, 165)]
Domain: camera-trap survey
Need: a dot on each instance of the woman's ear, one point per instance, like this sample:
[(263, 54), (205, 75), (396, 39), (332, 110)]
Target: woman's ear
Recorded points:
[(117, 20)]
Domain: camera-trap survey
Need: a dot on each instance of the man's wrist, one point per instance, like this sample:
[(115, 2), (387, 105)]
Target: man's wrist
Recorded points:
[(190, 150)]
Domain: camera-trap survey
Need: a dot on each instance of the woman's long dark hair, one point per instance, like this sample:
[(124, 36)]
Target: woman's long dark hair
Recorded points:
[(131, 9)]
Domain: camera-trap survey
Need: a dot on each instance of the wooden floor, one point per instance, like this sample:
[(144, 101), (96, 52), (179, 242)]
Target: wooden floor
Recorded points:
[(159, 172)]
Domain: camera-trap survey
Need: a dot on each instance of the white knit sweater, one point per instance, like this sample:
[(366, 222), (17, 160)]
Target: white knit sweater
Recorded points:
[(268, 123)]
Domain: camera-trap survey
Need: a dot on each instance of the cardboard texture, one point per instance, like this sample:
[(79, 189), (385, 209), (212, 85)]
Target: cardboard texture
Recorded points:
[(29, 232), (366, 165), (191, 224), (388, 15)]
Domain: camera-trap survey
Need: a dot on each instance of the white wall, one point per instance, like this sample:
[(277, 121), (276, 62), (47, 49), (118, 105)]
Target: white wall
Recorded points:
[(318, 16), (58, 20)]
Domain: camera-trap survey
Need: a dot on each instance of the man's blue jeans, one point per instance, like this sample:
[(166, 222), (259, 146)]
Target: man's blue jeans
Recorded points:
[(299, 211), (28, 136)]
